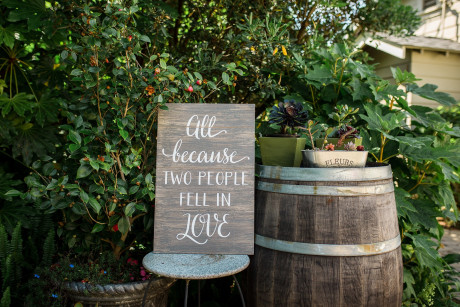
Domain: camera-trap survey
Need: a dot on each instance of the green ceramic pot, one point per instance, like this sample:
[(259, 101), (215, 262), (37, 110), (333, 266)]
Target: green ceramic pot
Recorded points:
[(282, 151), (356, 141)]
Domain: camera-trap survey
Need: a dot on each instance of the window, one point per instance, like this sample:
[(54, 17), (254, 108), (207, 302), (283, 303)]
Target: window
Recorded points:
[(428, 3)]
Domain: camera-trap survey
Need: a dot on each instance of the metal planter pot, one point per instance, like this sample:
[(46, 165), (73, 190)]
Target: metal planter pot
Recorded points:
[(336, 158), (127, 294)]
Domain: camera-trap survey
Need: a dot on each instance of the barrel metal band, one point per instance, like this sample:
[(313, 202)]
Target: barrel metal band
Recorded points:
[(329, 249), (325, 190)]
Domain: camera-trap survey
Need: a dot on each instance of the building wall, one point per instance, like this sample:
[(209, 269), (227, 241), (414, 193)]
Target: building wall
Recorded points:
[(436, 68), (385, 61), (433, 23)]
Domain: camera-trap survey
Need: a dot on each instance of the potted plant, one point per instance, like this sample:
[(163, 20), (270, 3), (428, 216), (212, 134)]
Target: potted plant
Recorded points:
[(342, 132), (345, 150), (284, 148)]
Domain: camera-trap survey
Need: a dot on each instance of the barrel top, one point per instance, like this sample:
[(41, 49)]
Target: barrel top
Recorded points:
[(324, 174)]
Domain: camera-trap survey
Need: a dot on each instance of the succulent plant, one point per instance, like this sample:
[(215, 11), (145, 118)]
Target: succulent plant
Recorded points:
[(350, 146), (289, 115)]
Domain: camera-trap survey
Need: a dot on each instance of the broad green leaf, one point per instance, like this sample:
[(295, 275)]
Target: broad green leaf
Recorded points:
[(321, 74), (94, 165), (130, 209), (7, 36), (83, 171), (426, 213), (148, 179), (20, 103), (74, 137), (84, 196), (95, 204), (46, 110), (124, 134), (13, 193), (123, 225), (74, 147), (402, 202), (162, 63), (452, 258), (97, 228), (226, 78), (133, 189), (409, 282), (427, 91), (425, 252), (144, 38), (76, 72)]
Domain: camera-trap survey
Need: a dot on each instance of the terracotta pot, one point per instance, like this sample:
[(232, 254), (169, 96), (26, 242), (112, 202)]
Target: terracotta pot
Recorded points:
[(281, 151), (127, 294)]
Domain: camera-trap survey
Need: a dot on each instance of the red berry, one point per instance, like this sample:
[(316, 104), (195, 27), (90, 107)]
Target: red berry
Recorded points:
[(198, 82), (360, 148), (130, 37), (115, 227), (190, 89)]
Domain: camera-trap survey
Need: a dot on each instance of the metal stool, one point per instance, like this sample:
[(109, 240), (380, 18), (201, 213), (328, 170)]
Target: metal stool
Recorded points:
[(196, 266)]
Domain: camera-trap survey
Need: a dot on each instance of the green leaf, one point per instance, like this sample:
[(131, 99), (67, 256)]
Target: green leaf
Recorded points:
[(13, 193), (74, 147), (95, 204), (74, 137), (148, 179), (409, 282), (7, 36), (97, 228), (94, 165), (425, 251), (76, 72), (402, 202), (46, 110), (162, 63), (84, 196), (83, 171), (133, 189), (144, 38), (451, 258), (130, 209), (20, 103), (124, 134), (226, 78), (427, 91), (123, 225)]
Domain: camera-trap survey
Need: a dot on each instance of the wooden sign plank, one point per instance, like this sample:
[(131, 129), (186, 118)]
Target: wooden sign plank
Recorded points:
[(204, 201)]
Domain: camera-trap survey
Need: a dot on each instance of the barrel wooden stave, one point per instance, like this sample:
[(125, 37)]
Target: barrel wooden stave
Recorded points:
[(279, 278)]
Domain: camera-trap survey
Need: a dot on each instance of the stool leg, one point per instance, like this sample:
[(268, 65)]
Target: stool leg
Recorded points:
[(199, 290), (239, 289), (186, 292)]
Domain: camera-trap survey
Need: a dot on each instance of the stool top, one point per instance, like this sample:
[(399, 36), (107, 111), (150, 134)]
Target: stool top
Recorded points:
[(195, 266)]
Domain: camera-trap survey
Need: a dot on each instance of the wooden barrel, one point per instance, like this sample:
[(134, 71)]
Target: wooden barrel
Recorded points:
[(326, 237)]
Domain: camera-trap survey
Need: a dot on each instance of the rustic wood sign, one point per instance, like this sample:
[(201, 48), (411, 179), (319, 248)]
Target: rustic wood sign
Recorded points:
[(205, 179)]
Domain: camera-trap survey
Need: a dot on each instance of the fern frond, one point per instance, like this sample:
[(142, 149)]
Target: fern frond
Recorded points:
[(4, 250), (48, 249), (6, 298)]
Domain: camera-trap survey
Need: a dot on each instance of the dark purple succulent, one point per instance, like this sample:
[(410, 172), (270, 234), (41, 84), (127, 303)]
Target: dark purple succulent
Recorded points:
[(288, 114)]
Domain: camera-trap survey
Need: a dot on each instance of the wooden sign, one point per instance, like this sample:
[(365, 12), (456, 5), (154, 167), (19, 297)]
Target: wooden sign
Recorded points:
[(204, 200)]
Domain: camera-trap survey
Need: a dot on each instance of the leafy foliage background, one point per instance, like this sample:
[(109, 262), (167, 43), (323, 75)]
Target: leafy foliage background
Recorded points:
[(81, 83)]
